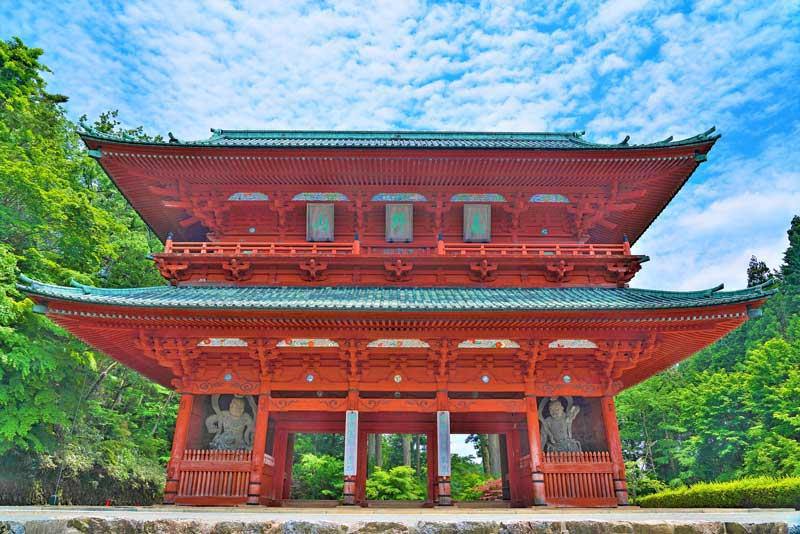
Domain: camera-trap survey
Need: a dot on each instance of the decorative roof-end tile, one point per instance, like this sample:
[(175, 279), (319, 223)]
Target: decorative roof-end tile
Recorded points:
[(393, 299)]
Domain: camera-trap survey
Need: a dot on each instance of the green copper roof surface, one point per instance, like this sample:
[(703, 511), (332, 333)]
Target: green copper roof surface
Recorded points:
[(418, 139), (393, 299)]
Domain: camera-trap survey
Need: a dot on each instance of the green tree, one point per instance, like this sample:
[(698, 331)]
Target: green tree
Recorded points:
[(396, 484), (318, 477), (63, 406), (731, 410)]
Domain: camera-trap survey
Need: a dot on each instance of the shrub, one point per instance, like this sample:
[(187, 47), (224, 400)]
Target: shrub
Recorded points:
[(762, 492), (491, 490), (317, 477), (398, 483)]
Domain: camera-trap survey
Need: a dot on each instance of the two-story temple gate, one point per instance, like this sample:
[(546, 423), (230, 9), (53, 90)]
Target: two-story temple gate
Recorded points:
[(409, 282)]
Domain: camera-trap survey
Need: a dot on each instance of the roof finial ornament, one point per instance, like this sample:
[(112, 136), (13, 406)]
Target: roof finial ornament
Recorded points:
[(709, 131), (172, 138), (625, 141), (668, 140)]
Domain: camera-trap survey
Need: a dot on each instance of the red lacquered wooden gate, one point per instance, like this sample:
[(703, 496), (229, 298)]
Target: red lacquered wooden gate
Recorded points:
[(578, 478), (213, 477)]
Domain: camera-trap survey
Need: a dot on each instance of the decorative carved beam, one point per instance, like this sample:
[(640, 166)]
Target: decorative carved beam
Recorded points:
[(516, 208), (438, 207)]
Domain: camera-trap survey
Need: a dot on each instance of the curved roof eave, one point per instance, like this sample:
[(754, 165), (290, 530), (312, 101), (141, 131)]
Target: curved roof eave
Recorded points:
[(394, 299)]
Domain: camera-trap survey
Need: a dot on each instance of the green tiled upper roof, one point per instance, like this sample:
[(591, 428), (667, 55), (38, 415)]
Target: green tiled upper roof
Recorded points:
[(394, 299), (418, 139)]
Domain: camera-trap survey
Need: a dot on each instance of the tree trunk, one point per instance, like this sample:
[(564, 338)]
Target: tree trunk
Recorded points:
[(485, 454), (161, 412), (406, 449), (417, 454), (379, 450), (371, 449), (494, 454)]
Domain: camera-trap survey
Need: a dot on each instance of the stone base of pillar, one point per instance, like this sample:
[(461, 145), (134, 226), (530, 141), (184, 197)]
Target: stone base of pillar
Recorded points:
[(621, 491), (445, 498), (538, 489), (349, 491), (170, 490), (254, 492)]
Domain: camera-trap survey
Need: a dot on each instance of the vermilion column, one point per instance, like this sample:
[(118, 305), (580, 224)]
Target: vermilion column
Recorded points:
[(351, 435), (287, 480), (535, 441), (178, 446), (433, 486), (279, 471), (361, 469), (259, 448), (615, 449)]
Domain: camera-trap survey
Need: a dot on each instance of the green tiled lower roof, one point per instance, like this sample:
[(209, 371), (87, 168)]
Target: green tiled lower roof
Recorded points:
[(394, 299)]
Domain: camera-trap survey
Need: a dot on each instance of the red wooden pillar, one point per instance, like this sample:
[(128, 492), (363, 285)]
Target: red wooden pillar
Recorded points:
[(615, 449), (433, 486), (178, 446), (361, 472), (279, 454), (259, 449), (287, 479), (513, 454), (535, 441)]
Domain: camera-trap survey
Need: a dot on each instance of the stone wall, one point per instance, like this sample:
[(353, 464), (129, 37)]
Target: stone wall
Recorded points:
[(127, 526)]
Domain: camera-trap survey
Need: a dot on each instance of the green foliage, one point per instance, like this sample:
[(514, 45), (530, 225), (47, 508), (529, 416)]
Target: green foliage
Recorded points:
[(397, 483), (731, 411), (317, 477), (641, 482), (467, 475), (61, 218), (762, 492)]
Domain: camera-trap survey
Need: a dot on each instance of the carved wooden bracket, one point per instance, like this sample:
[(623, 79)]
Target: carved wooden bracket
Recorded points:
[(357, 207), (559, 272), (593, 210), (281, 205), (237, 270), (516, 208), (438, 207), (484, 271), (174, 272), (622, 273), (398, 270), (314, 271)]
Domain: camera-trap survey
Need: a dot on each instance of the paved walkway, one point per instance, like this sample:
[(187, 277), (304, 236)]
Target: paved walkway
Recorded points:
[(408, 516)]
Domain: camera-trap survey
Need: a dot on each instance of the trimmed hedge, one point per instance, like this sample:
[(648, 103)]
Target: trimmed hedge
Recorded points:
[(762, 492)]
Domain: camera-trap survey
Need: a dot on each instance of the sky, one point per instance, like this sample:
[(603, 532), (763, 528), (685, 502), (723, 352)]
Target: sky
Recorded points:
[(616, 68)]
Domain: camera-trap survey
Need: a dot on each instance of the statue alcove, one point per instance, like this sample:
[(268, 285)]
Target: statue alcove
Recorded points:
[(199, 436), (587, 425)]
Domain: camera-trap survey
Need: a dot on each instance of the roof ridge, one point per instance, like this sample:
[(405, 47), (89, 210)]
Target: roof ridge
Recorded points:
[(403, 138)]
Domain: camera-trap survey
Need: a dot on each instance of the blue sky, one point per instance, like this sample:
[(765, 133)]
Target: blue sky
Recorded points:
[(628, 67)]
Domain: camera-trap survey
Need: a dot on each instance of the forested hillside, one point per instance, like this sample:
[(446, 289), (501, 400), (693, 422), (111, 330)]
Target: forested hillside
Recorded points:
[(733, 409), (62, 405), (728, 412)]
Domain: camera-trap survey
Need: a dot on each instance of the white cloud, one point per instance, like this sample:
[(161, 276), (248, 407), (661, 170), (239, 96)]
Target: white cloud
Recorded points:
[(624, 67)]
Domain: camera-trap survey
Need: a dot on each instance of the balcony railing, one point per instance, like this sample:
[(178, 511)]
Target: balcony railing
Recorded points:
[(355, 248)]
